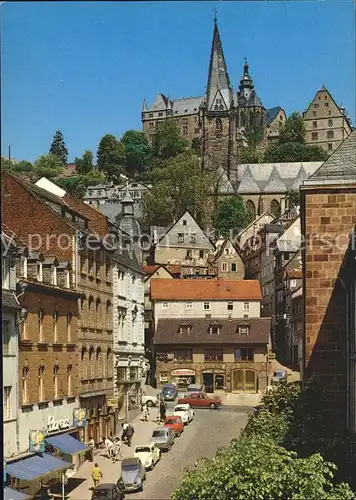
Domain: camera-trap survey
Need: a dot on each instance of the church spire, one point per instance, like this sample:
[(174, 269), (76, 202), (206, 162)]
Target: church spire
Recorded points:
[(218, 92), (246, 83)]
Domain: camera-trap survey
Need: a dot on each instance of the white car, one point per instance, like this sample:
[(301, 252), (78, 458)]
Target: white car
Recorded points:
[(184, 411), (149, 455), (149, 400)]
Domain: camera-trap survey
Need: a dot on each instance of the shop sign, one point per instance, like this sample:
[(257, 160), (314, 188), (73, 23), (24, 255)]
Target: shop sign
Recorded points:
[(36, 441), (113, 402), (79, 417), (183, 372), (58, 425)]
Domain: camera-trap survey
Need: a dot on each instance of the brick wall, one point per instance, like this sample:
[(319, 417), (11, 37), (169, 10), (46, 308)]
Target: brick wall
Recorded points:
[(61, 351), (328, 217)]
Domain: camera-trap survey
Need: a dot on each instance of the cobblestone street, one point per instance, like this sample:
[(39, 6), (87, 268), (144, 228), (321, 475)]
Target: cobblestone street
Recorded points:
[(208, 431)]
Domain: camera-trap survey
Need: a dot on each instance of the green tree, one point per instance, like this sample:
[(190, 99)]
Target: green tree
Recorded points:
[(249, 154), (58, 147), (231, 216), (111, 157), (196, 145), (48, 165), (293, 152), (84, 165), (167, 142), (178, 185), (76, 186), (293, 130), (138, 152), (293, 198)]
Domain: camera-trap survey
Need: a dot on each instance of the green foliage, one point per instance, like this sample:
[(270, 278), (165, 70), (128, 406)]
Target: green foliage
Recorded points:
[(48, 165), (231, 216), (257, 468), (293, 198), (293, 152), (58, 147), (250, 154), (293, 130), (77, 186), (167, 142), (111, 157), (84, 165), (268, 425), (178, 185), (196, 145), (23, 166), (138, 152)]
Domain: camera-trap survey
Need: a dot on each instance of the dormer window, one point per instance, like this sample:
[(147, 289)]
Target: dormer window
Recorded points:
[(185, 328), (39, 271), (243, 328), (214, 328)]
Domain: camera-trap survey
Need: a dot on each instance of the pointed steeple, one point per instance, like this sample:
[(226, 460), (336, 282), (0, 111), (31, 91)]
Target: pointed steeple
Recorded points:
[(144, 105), (246, 83), (127, 202), (218, 91)]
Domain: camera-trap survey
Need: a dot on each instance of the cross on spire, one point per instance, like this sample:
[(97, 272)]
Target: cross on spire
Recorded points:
[(215, 15)]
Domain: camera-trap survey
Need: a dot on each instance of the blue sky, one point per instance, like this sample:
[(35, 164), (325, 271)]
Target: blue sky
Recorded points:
[(85, 67)]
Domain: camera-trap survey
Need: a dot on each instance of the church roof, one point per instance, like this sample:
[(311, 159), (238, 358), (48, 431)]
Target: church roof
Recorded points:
[(248, 183), (253, 99), (275, 183), (186, 106), (272, 113), (340, 167)]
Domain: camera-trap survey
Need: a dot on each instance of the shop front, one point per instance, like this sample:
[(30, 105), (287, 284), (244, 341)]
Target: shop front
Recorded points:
[(182, 377), (101, 421), (214, 380)]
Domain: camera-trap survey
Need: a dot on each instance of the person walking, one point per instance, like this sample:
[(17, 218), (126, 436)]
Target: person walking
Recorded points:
[(146, 413), (108, 446), (116, 450), (123, 435), (162, 410), (96, 475), (91, 445), (129, 433)]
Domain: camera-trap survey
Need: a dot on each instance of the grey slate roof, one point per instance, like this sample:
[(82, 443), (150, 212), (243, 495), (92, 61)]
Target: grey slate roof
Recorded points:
[(275, 183), (9, 300), (272, 113), (167, 331), (186, 106), (170, 237), (340, 167), (253, 99)]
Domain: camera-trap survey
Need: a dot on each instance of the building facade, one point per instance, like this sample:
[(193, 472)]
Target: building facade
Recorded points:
[(327, 124), (226, 262), (210, 332), (328, 204)]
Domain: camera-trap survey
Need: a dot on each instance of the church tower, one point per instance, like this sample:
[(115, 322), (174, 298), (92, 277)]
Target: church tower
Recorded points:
[(218, 113)]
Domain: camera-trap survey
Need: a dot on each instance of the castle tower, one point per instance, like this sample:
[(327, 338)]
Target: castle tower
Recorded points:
[(128, 224), (218, 112)]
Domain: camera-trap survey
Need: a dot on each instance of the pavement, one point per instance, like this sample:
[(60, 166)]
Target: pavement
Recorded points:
[(209, 430)]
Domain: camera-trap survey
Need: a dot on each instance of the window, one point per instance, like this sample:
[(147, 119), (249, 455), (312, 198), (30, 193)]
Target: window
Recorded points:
[(233, 267), (183, 354), (69, 380), (55, 324), (314, 136), (224, 267), (189, 305), (184, 329), (40, 383), (201, 254), (189, 254), (180, 237), (196, 131), (151, 124), (214, 329), (330, 134), (243, 354), (206, 306), (193, 238), (219, 127), (6, 337), (330, 146), (165, 305), (185, 129), (246, 306), (39, 271), (243, 329), (69, 326), (316, 105), (5, 272), (40, 316), (230, 306), (150, 115), (160, 113), (184, 222), (314, 113), (293, 283), (326, 104), (24, 384), (315, 124), (7, 402), (55, 380), (330, 123), (213, 354)]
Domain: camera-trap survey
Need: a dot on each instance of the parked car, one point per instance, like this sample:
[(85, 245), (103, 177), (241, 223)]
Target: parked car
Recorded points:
[(201, 400), (149, 400), (185, 412), (169, 392), (175, 423), (149, 454), (195, 388), (279, 376), (133, 473), (163, 438), (108, 491)]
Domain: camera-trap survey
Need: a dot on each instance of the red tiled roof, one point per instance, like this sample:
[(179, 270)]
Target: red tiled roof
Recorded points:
[(214, 289), (174, 269), (294, 274), (97, 222), (150, 269)]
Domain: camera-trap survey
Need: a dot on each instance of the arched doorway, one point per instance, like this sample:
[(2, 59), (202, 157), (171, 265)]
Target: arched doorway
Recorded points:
[(244, 380), (251, 209), (275, 208)]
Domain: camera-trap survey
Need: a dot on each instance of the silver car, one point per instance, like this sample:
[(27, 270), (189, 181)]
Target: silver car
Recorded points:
[(163, 438), (133, 473)]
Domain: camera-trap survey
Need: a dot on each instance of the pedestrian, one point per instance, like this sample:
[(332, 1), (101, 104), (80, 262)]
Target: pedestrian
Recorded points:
[(108, 446), (116, 449), (91, 445), (123, 435), (162, 411), (96, 475), (146, 413), (129, 433)]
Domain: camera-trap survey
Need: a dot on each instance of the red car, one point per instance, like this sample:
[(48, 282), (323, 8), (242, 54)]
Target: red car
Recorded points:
[(201, 400), (175, 423)]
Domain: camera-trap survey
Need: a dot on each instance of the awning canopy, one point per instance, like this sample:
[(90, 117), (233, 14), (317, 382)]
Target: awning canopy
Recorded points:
[(36, 467), (67, 444), (10, 494)]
